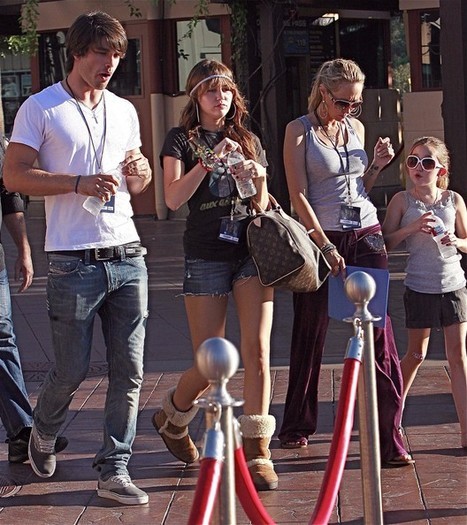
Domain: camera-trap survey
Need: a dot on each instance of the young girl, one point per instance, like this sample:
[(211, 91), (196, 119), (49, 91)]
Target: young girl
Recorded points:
[(217, 262), (436, 296)]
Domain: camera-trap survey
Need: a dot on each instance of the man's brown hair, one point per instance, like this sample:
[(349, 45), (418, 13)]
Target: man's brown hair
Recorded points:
[(88, 30)]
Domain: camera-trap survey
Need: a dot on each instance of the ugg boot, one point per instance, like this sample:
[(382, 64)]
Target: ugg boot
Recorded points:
[(257, 432), (172, 425)]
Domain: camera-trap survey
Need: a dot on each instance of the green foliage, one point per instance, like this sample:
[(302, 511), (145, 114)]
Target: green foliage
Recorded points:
[(201, 10), (239, 28), (134, 10), (401, 78), (400, 60), (28, 40)]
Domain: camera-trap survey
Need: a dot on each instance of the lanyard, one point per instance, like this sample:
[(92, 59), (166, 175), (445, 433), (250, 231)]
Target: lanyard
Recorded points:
[(345, 170), (98, 161)]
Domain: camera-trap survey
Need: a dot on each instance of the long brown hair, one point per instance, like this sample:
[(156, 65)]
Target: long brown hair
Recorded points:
[(235, 121)]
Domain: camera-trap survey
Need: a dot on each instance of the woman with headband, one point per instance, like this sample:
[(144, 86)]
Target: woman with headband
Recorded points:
[(197, 171)]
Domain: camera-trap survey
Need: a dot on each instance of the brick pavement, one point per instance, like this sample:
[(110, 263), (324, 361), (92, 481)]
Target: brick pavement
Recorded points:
[(432, 491)]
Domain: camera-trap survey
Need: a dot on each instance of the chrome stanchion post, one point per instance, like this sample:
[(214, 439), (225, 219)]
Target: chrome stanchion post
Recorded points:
[(360, 288), (217, 359)]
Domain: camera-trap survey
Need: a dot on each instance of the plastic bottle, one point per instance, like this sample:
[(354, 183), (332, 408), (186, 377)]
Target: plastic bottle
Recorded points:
[(94, 204), (245, 187), (439, 231)]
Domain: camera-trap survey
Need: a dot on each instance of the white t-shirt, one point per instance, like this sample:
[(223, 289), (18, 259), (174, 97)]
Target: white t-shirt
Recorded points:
[(51, 123)]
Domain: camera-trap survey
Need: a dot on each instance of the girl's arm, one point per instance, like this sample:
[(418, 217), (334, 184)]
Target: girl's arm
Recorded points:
[(178, 186), (461, 223), (260, 181), (392, 231)]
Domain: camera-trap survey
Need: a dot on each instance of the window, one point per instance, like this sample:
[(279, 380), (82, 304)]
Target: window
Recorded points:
[(52, 63), (430, 49), (52, 58), (425, 56), (366, 41), (126, 81), (16, 86), (201, 41)]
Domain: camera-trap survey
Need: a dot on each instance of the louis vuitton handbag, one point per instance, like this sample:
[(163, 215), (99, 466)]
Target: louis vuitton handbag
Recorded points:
[(283, 252)]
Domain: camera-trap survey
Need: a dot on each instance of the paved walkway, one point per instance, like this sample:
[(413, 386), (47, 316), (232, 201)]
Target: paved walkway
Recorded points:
[(433, 491)]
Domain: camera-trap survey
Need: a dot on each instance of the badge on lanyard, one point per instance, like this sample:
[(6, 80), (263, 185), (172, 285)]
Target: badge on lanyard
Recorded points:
[(231, 229), (349, 217), (232, 225)]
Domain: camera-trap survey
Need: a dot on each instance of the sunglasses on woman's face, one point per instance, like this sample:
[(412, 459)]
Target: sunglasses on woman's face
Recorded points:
[(345, 105), (428, 163)]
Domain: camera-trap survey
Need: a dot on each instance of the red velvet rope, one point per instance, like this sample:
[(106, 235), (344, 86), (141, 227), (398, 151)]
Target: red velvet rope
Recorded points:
[(210, 469), (247, 494), (206, 491), (340, 444)]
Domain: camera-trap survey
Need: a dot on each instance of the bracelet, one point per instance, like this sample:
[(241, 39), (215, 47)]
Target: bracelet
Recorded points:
[(77, 182), (327, 248), (200, 162)]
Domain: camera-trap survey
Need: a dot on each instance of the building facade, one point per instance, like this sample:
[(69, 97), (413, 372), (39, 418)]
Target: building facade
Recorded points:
[(285, 45)]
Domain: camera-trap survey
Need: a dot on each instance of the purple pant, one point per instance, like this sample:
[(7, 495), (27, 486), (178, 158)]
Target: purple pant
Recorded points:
[(363, 248)]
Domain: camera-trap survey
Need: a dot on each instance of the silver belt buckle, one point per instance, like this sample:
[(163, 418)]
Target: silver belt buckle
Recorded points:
[(104, 256)]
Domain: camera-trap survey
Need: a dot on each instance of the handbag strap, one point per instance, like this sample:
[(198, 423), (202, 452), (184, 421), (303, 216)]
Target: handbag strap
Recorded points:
[(272, 204)]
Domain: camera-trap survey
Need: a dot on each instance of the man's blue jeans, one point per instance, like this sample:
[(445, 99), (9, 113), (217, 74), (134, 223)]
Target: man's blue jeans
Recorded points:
[(117, 291), (15, 410)]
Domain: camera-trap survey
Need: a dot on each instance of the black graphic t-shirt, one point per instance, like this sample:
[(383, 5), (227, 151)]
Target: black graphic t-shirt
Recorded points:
[(211, 201)]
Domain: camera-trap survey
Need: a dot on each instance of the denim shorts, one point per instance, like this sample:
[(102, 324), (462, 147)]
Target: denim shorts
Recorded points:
[(204, 277), (426, 310)]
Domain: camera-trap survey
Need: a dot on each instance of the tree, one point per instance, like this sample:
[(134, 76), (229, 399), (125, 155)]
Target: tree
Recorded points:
[(400, 60)]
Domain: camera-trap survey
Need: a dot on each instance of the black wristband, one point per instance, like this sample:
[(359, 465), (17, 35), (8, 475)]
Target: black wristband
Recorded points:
[(78, 178)]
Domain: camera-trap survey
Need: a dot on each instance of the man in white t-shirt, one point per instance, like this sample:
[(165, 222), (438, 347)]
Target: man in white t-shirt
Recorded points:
[(72, 141)]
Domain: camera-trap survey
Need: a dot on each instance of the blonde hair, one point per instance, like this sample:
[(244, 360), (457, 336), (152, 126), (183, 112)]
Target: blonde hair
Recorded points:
[(331, 74), (441, 152)]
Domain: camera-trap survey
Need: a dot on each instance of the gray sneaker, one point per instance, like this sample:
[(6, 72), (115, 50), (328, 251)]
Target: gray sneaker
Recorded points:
[(41, 452), (120, 488)]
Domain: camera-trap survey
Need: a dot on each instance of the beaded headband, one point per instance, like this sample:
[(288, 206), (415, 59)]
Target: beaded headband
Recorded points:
[(206, 79)]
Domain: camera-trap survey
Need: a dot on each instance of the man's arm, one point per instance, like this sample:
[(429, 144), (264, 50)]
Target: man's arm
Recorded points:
[(20, 174), (12, 207), (24, 270)]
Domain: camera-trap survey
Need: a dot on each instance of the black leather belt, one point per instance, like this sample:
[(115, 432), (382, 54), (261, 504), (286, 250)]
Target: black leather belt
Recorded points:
[(106, 254)]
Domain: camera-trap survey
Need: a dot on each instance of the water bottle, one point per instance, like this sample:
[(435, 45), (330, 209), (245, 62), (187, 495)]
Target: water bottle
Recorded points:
[(245, 187), (94, 204), (439, 231)]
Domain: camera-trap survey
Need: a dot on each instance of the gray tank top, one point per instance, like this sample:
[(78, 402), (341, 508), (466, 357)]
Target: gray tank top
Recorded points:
[(327, 182), (427, 271)]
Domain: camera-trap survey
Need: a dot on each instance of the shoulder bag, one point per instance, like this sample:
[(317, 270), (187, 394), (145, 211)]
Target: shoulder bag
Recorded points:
[(283, 252)]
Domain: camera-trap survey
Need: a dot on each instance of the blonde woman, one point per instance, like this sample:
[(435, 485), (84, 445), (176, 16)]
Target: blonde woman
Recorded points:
[(329, 177)]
